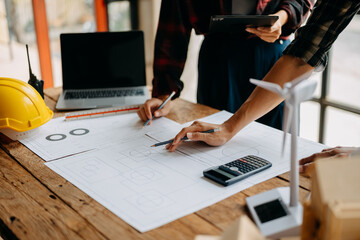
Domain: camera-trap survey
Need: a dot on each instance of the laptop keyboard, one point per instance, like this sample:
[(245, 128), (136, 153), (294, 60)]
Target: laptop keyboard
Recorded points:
[(103, 93)]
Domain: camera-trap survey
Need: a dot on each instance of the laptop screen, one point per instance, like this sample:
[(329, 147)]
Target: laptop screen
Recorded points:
[(103, 60)]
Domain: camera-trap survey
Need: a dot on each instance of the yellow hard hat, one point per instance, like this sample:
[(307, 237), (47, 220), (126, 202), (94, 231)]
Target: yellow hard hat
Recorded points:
[(21, 106)]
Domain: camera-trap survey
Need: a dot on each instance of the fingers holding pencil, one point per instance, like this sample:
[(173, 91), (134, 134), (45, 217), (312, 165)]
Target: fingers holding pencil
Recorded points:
[(155, 107), (199, 131), (145, 111)]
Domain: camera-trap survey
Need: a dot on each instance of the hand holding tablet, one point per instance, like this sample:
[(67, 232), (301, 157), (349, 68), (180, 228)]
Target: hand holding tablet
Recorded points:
[(238, 23)]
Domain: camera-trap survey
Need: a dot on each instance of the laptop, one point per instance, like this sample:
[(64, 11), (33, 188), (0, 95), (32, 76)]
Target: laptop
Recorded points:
[(102, 69)]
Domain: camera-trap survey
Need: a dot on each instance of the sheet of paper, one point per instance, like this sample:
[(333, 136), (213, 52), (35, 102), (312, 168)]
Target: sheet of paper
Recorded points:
[(59, 138), (148, 187)]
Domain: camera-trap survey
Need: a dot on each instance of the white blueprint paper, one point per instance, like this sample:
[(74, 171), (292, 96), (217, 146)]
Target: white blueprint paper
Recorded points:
[(59, 138), (148, 187)]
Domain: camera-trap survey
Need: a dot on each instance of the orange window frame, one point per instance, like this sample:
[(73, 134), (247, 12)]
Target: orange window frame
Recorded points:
[(42, 35)]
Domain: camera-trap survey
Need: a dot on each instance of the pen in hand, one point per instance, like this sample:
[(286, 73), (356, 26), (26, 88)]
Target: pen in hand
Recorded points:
[(161, 106), (184, 138)]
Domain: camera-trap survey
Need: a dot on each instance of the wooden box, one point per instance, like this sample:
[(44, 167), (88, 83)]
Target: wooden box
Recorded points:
[(333, 212)]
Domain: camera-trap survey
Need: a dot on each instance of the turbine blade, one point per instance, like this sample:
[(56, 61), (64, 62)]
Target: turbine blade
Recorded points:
[(305, 90), (286, 123), (301, 78), (272, 87)]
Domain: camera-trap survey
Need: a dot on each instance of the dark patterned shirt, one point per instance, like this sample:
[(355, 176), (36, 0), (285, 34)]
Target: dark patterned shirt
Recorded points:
[(179, 17), (327, 21)]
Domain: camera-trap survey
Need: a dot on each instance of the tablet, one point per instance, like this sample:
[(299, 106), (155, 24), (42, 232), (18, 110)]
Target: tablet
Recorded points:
[(237, 23)]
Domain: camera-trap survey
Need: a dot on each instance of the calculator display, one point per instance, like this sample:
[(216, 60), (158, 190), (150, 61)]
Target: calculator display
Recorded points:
[(218, 175)]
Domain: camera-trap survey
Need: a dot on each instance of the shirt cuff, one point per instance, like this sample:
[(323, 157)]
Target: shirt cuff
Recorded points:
[(166, 86), (308, 52)]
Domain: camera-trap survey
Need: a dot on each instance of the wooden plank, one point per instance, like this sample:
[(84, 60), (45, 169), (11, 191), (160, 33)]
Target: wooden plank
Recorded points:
[(184, 228), (305, 182), (271, 184), (31, 211), (102, 219), (183, 111), (53, 93), (224, 213), (106, 222)]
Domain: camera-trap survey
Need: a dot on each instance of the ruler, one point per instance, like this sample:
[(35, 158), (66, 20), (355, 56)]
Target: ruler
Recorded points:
[(100, 112)]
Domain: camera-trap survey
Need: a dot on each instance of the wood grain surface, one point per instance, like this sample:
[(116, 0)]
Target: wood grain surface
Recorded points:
[(36, 203)]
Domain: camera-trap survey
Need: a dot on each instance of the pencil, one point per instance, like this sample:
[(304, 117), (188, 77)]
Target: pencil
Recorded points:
[(161, 106), (184, 138)]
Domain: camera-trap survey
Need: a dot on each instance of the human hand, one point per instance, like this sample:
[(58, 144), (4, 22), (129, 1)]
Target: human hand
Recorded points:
[(194, 133), (150, 108), (272, 33), (337, 152), (268, 34)]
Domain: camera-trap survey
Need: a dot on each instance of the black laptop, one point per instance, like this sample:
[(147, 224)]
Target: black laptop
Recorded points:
[(102, 69)]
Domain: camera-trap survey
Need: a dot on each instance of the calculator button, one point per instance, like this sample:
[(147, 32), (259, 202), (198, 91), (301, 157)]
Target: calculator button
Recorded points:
[(234, 168)]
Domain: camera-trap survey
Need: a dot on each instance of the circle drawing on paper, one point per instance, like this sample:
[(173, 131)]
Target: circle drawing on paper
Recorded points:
[(233, 149), (56, 137), (79, 131), (252, 151)]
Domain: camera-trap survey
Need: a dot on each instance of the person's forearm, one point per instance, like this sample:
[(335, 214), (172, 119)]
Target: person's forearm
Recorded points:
[(283, 16), (261, 101)]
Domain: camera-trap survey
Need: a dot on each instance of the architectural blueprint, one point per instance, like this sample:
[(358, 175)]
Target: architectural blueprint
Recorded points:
[(59, 138), (149, 186)]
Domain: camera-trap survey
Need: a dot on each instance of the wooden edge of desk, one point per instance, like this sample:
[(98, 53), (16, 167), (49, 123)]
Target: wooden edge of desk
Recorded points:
[(27, 206), (75, 214)]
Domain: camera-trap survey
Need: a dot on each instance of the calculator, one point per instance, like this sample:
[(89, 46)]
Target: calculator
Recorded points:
[(237, 170)]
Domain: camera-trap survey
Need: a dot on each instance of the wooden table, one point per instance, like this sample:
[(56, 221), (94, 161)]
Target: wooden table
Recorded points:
[(36, 203)]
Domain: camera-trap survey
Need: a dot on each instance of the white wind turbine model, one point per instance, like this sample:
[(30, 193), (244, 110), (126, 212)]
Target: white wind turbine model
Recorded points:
[(272, 211)]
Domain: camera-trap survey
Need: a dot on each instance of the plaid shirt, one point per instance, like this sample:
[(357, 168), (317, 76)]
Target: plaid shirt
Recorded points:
[(179, 17), (327, 21)]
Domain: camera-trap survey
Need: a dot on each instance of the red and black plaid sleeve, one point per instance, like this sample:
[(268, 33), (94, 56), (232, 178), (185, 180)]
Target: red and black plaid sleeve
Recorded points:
[(328, 20), (297, 11), (177, 18), (171, 45)]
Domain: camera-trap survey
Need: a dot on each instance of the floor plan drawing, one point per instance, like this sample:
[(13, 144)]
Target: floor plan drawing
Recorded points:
[(149, 186)]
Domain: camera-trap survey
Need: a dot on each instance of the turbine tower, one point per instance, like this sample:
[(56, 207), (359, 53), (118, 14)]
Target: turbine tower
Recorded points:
[(288, 224)]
